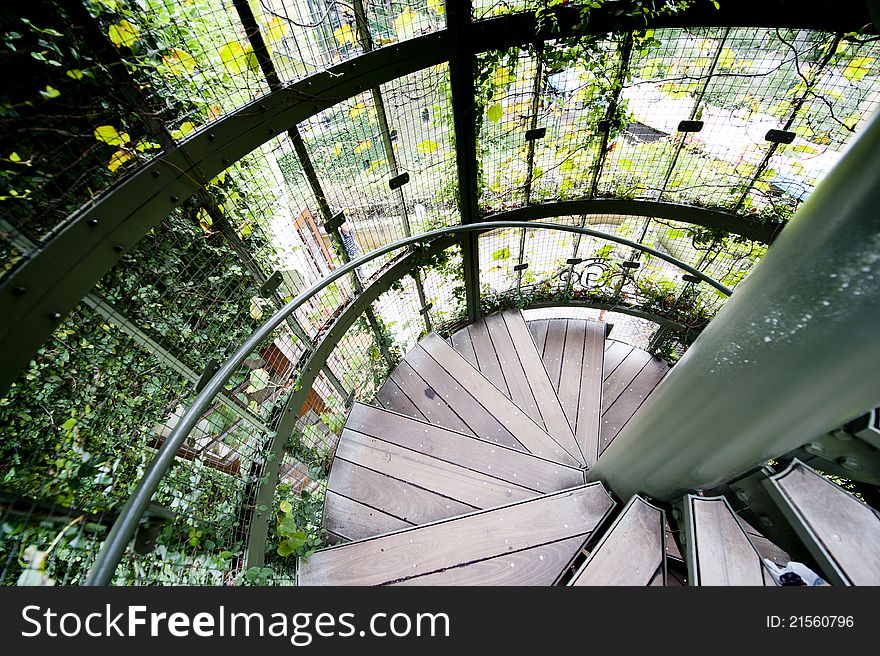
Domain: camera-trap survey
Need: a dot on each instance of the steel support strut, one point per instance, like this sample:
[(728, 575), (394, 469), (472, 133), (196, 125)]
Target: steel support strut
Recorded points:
[(792, 355)]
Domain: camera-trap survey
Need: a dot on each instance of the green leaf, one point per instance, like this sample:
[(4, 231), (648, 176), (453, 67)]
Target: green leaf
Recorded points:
[(50, 92), (494, 112), (259, 380), (858, 68), (75, 73), (426, 146), (123, 34), (501, 254), (109, 135), (285, 507)]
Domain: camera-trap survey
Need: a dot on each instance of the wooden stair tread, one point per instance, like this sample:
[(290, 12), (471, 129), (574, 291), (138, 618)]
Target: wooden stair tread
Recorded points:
[(631, 552), (536, 566), (719, 551), (573, 353), (841, 532), (506, 344), (442, 367), (465, 450), (348, 519), (463, 540)]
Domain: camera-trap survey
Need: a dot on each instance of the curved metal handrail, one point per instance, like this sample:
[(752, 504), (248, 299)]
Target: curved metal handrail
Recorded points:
[(114, 546)]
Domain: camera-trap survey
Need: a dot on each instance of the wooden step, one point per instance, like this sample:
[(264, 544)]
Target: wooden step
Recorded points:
[(398, 472), (631, 552), (485, 410), (472, 544), (573, 352), (719, 551), (841, 532), (501, 348)]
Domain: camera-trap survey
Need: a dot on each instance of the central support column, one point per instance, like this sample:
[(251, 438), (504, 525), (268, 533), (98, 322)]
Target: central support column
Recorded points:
[(792, 355)]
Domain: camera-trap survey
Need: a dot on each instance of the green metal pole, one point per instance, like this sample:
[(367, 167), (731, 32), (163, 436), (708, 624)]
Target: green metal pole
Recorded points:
[(792, 355)]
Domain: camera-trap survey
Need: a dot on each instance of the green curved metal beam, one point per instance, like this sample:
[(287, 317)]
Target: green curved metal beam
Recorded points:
[(35, 298), (113, 548), (701, 216)]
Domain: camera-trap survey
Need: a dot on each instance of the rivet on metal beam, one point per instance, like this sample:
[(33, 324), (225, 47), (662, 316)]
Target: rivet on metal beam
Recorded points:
[(690, 278), (210, 369), (537, 133), (211, 136), (224, 161), (93, 222), (521, 267), (174, 199), (155, 173), (398, 181), (780, 136), (765, 520), (743, 496), (690, 126), (55, 316), (119, 248), (814, 448), (18, 291), (850, 463)]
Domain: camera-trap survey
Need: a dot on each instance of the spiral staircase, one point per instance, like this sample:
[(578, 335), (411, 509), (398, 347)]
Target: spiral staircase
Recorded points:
[(473, 468)]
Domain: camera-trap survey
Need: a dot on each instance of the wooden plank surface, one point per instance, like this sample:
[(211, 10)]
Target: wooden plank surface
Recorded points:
[(622, 376), (529, 567), (429, 402), (538, 330), (630, 399), (590, 400), (468, 451), (473, 416), (461, 342), (841, 532), (467, 539), (391, 397), (569, 388), (351, 520), (428, 473), (552, 414), (719, 551), (518, 424), (519, 388), (553, 346), (631, 552), (487, 358), (614, 355), (389, 495)]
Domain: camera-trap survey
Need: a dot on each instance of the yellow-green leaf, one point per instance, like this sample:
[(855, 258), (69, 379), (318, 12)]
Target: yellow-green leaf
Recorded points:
[(109, 135), (357, 110), (858, 68), (246, 229), (494, 112), (123, 34), (205, 221), (404, 24), (50, 92), (147, 145), (362, 146), (178, 62), (75, 73), (259, 380), (237, 58), (186, 128), (437, 6), (276, 29), (337, 148), (344, 34), (119, 158), (426, 146), (14, 157)]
